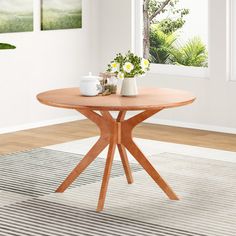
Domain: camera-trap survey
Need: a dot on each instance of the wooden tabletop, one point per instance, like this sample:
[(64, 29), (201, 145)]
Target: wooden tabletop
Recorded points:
[(148, 99)]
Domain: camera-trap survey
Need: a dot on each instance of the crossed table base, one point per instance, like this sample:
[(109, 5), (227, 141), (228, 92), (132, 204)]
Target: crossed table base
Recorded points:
[(116, 132)]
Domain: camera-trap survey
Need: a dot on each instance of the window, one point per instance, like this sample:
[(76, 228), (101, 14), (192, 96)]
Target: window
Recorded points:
[(173, 34)]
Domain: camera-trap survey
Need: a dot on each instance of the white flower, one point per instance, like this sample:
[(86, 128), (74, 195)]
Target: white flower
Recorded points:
[(145, 64), (128, 67), (120, 75), (115, 67)]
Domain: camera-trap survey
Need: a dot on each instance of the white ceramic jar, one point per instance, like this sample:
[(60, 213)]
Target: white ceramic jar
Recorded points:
[(129, 87), (90, 85)]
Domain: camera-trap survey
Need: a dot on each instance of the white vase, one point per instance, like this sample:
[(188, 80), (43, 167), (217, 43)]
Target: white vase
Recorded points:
[(129, 87)]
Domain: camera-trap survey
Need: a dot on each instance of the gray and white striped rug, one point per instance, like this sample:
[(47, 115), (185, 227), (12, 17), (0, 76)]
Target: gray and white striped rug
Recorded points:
[(29, 206)]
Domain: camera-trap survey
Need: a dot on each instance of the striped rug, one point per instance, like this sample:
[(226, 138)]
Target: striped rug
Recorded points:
[(29, 206)]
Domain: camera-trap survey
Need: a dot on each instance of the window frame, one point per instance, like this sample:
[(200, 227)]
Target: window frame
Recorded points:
[(231, 47), (137, 47)]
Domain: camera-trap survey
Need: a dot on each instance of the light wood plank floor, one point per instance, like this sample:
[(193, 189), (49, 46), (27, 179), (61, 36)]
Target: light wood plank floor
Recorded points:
[(40, 137)]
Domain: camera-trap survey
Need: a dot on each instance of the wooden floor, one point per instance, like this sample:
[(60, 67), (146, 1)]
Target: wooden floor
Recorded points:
[(40, 137)]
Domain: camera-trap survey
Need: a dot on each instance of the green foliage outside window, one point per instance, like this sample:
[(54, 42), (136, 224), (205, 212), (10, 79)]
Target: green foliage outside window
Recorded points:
[(165, 49), (162, 44)]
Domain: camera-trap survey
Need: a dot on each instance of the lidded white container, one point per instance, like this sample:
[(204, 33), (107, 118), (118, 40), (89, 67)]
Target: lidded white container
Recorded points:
[(90, 85)]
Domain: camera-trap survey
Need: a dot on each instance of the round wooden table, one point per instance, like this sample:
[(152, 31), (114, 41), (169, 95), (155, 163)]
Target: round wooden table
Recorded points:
[(116, 131)]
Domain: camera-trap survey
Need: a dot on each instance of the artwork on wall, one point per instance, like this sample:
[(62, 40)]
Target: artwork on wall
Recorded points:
[(61, 14), (16, 16)]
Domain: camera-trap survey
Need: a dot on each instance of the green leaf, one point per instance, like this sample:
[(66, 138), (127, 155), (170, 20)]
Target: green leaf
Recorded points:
[(4, 46)]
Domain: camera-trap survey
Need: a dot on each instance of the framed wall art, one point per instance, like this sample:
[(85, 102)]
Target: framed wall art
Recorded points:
[(61, 14), (16, 16)]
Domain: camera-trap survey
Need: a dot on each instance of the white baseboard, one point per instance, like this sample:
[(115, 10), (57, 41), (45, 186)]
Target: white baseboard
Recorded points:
[(213, 128), (40, 124), (152, 120)]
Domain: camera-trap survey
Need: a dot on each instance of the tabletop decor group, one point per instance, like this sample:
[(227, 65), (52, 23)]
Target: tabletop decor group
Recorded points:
[(126, 67)]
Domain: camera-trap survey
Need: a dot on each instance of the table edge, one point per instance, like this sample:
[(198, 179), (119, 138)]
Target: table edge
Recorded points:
[(115, 108)]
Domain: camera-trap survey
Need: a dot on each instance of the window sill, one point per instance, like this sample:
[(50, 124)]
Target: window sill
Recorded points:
[(185, 71)]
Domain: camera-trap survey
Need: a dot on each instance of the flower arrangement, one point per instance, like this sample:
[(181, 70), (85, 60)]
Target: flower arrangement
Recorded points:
[(128, 65)]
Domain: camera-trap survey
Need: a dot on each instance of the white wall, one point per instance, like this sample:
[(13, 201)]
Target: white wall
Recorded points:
[(44, 60), (216, 96), (54, 59), (115, 29)]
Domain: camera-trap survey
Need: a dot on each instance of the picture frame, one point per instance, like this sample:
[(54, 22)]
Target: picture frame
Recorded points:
[(60, 14)]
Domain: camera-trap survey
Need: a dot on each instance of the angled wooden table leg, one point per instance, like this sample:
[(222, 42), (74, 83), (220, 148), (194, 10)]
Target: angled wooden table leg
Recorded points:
[(84, 163), (99, 146), (127, 141), (125, 163), (143, 161), (122, 151), (110, 156), (106, 177)]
